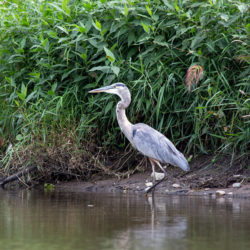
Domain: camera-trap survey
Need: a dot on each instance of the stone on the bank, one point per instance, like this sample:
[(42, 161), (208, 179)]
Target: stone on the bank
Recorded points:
[(237, 185), (220, 192), (176, 185)]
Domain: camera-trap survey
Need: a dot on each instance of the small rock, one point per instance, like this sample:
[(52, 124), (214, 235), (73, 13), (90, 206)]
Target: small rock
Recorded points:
[(166, 190), (237, 185), (158, 176), (175, 185), (206, 189), (230, 193), (220, 192), (149, 184), (90, 205)]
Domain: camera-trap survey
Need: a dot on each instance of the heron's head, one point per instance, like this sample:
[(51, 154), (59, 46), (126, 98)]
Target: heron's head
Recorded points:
[(119, 89)]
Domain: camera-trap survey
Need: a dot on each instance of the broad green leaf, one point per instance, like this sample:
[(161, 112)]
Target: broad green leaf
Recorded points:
[(126, 10), (131, 37), (84, 56), (35, 74), (21, 96), (81, 28), (166, 2), (98, 25), (103, 32), (52, 34), (65, 6), (17, 103), (116, 70), (50, 92), (88, 25), (177, 8), (105, 69), (149, 10), (145, 27), (197, 40), (108, 107), (63, 29), (24, 90), (8, 79), (224, 17), (23, 42), (109, 54), (30, 96), (242, 7), (45, 44)]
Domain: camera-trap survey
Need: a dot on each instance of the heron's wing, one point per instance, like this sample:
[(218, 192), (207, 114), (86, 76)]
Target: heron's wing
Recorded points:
[(153, 144)]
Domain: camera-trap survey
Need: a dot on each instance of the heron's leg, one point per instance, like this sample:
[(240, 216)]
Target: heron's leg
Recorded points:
[(157, 183), (163, 170), (153, 169)]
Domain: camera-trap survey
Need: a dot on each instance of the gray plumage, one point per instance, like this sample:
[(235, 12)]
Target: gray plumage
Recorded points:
[(145, 139), (153, 144)]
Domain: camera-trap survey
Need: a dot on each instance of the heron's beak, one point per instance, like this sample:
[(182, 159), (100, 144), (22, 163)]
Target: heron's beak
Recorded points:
[(103, 89)]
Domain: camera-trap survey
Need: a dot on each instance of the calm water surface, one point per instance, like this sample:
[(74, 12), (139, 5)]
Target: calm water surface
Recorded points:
[(58, 220)]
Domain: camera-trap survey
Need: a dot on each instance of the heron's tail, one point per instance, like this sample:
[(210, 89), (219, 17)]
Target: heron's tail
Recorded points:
[(182, 162)]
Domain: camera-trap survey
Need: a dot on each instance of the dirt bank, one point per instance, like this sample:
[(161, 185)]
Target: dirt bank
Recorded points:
[(205, 178), (136, 184)]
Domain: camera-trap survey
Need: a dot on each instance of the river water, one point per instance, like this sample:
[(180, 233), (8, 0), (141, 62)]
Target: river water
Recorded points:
[(73, 220)]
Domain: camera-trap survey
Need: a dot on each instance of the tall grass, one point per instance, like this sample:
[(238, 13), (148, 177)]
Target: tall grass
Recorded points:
[(53, 52)]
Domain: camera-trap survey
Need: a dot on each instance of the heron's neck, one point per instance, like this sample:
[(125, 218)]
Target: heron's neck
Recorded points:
[(124, 123)]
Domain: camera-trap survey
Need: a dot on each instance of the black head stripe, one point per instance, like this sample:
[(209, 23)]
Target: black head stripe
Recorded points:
[(120, 85)]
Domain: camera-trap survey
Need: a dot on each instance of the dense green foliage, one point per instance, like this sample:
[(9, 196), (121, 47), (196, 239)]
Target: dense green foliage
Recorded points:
[(53, 52)]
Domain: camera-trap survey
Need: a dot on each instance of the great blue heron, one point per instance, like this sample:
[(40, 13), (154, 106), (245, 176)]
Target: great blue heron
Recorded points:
[(145, 139)]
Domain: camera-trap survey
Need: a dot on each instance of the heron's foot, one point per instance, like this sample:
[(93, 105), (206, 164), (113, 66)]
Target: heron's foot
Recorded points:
[(152, 188), (158, 176)]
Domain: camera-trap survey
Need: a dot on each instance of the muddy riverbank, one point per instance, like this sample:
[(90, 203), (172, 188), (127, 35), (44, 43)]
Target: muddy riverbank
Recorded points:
[(203, 179), (137, 184)]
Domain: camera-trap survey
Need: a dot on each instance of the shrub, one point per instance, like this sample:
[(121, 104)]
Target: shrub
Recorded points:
[(53, 52)]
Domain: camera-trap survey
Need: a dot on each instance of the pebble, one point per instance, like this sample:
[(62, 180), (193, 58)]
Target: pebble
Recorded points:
[(230, 193), (175, 185), (149, 184), (90, 205), (220, 192), (237, 185)]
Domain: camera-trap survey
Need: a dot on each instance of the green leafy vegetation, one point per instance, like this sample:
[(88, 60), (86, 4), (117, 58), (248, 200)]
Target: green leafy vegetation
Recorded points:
[(53, 52)]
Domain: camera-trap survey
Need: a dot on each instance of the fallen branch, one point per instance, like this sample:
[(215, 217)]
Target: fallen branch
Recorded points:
[(17, 175)]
